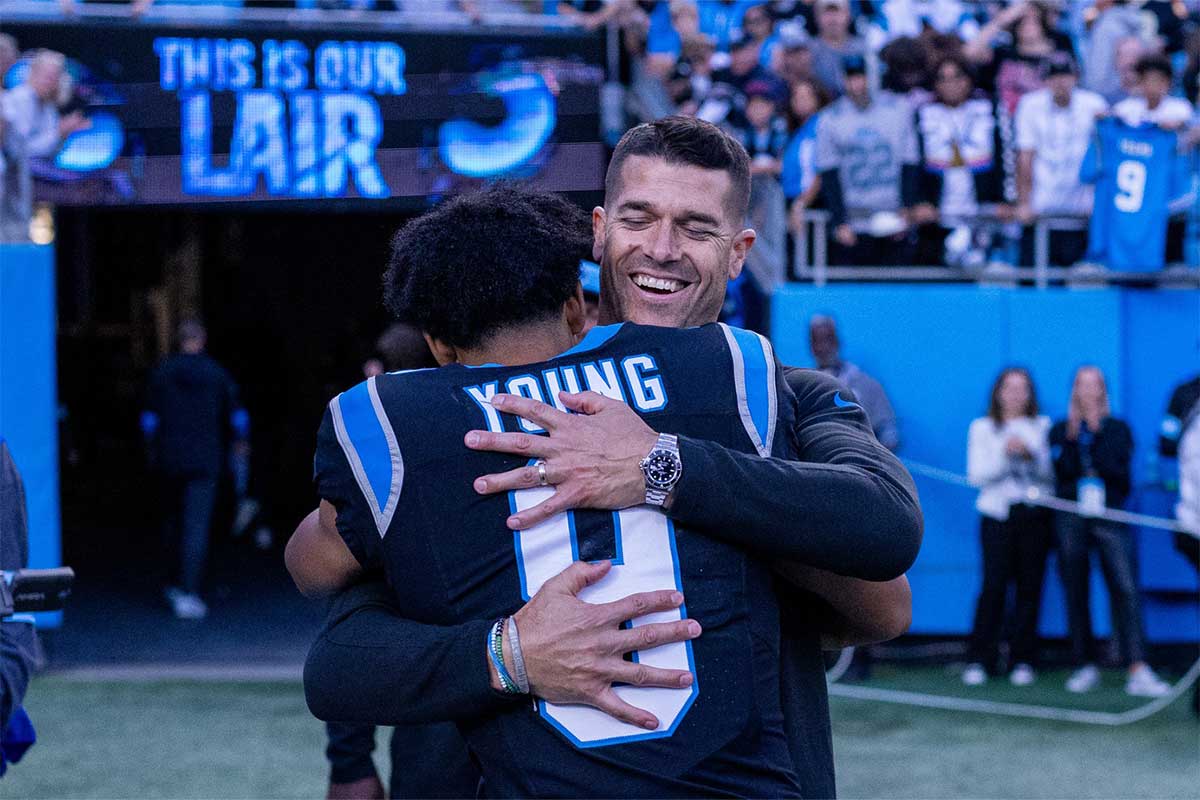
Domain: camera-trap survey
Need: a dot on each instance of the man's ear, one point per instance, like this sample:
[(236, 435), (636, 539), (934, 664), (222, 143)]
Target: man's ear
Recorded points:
[(575, 312), (598, 220), (443, 353), (742, 243)]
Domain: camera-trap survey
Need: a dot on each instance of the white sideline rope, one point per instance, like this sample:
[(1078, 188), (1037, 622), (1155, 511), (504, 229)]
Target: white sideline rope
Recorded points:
[(1035, 497), (1111, 719), (1024, 710)]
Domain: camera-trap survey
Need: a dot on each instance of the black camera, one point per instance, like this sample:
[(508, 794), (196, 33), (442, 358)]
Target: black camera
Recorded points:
[(35, 590)]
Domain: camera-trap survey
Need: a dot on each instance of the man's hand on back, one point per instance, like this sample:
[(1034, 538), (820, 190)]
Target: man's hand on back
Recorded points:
[(591, 457), (574, 650)]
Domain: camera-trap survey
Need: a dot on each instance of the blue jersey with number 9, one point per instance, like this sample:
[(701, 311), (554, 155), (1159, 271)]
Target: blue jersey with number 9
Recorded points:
[(1138, 172), (391, 459)]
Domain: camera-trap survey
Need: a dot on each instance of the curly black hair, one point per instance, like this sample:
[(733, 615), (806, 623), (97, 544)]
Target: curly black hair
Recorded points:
[(485, 261)]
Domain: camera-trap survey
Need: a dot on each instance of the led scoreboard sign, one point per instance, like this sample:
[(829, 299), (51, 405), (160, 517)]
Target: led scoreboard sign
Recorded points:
[(266, 114), (305, 131)]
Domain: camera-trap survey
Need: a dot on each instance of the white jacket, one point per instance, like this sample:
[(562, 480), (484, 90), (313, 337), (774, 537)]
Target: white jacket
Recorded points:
[(1002, 479)]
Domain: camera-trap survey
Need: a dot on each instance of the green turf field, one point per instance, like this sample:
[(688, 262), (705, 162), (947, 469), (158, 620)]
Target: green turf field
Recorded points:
[(193, 739)]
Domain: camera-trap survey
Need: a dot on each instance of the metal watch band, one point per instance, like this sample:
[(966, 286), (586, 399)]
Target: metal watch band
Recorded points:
[(668, 442)]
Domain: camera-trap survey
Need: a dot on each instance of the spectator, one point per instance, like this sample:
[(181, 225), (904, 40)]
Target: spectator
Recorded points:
[(826, 351), (910, 18), (799, 176), (1153, 103), (792, 59), (867, 156), (692, 79), (1014, 46), (1007, 456), (15, 189), (1179, 442), (961, 168), (1053, 128), (907, 70), (727, 99), (1139, 175), (833, 44), (192, 413), (9, 53), (764, 133), (31, 109), (1115, 37), (1092, 451), (758, 26), (722, 19), (744, 65)]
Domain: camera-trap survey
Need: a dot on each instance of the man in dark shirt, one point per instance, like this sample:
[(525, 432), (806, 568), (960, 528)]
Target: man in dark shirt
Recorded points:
[(192, 415), (721, 729), (668, 239)]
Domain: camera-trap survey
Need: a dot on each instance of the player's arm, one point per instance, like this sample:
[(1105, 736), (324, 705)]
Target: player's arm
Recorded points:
[(316, 556), (847, 506), (857, 612)]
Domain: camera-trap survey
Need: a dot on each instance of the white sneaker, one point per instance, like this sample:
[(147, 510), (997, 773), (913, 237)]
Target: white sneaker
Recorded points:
[(1083, 679), (188, 606), (1022, 675), (974, 675), (1142, 682)]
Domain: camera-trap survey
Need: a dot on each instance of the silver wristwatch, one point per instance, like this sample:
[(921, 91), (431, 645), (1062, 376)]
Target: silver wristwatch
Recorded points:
[(661, 469)]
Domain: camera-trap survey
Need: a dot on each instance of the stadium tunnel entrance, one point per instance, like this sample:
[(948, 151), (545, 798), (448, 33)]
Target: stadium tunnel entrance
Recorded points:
[(292, 306)]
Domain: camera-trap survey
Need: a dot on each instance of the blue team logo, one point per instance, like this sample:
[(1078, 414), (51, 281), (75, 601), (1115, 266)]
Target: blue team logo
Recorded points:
[(97, 147), (477, 151), (842, 402)]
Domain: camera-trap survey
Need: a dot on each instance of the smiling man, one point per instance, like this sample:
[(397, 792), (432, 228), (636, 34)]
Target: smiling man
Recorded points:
[(668, 238)]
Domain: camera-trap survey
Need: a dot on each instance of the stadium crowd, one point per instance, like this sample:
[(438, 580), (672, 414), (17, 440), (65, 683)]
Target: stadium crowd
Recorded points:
[(930, 132)]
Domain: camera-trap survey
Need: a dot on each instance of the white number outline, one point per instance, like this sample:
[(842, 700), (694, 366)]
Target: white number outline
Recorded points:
[(628, 693)]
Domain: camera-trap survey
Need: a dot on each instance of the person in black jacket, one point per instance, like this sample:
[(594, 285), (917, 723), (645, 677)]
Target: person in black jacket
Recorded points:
[(1092, 452), (848, 497), (192, 416)]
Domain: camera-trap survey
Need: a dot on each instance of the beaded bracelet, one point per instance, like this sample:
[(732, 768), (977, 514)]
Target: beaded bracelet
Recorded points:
[(495, 649), (514, 641)]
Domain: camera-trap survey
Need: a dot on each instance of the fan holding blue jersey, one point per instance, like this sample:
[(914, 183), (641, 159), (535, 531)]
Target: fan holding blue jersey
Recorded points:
[(1141, 176)]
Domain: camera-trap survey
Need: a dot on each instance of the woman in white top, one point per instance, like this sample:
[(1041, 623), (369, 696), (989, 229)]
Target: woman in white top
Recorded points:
[(1007, 456)]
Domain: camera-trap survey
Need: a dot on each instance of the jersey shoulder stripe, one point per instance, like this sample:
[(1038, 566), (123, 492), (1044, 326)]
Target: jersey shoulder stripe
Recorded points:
[(366, 437), (755, 382)]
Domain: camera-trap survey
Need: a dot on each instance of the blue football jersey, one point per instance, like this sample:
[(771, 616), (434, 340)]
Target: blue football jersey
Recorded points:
[(1138, 172), (391, 459)]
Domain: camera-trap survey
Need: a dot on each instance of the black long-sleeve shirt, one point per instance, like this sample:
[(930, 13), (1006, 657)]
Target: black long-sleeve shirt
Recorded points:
[(847, 505), (1111, 453)]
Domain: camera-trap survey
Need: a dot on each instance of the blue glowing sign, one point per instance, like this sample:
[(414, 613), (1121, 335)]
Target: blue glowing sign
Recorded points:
[(301, 142), (94, 148), (477, 151)]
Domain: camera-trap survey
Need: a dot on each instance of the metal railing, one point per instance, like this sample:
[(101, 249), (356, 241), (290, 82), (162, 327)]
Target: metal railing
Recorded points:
[(814, 228)]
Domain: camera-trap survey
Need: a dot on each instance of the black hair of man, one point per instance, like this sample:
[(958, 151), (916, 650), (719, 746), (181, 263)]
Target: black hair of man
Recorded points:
[(1155, 62), (403, 347), (960, 62), (486, 261), (686, 141)]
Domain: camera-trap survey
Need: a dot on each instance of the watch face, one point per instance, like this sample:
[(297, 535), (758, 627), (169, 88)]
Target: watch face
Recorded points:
[(662, 469)]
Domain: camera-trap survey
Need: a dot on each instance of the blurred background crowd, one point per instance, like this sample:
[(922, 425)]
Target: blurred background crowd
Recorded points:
[(883, 132)]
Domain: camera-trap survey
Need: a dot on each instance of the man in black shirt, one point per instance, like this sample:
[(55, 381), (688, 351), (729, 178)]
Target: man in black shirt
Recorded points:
[(668, 239), (192, 415)]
